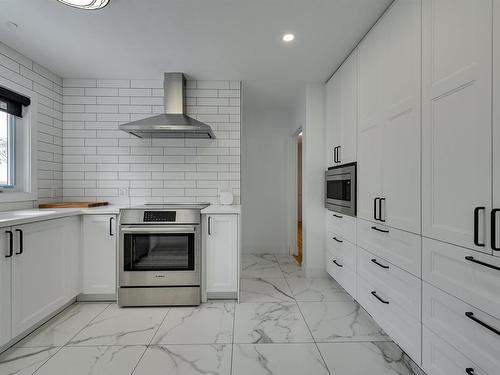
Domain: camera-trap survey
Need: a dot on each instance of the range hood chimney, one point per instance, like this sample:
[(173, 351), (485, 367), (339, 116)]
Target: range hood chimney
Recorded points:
[(174, 123)]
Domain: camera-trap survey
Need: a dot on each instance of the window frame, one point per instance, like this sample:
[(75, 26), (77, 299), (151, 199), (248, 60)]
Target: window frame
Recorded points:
[(25, 149), (11, 152)]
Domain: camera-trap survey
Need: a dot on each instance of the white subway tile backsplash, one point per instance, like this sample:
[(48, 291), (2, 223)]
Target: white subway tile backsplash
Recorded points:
[(154, 170)]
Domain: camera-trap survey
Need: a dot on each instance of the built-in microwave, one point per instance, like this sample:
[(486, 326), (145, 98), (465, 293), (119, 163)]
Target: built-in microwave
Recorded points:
[(340, 189)]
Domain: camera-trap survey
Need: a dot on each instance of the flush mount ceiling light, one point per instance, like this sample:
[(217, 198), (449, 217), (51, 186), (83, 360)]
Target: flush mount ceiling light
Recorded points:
[(288, 37), (86, 4)]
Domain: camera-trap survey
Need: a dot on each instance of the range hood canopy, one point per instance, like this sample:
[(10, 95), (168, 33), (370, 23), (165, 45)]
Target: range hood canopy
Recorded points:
[(174, 123)]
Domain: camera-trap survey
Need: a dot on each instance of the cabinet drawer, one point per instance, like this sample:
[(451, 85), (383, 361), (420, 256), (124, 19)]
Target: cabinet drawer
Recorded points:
[(343, 274), (341, 225), (446, 267), (446, 316), (399, 286), (440, 358), (403, 328), (344, 250), (401, 248)]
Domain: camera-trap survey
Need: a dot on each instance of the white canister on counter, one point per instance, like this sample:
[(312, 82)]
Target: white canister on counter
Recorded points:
[(226, 197)]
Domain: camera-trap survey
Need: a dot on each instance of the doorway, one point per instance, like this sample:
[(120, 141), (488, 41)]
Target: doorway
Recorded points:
[(298, 221)]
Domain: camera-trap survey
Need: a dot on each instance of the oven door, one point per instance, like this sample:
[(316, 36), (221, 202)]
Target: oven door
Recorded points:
[(159, 255), (340, 190)]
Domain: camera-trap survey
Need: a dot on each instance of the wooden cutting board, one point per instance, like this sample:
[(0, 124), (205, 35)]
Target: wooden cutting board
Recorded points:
[(73, 205)]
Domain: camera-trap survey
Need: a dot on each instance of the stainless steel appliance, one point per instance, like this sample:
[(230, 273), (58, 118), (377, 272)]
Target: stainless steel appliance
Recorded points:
[(174, 123), (159, 255), (340, 189)]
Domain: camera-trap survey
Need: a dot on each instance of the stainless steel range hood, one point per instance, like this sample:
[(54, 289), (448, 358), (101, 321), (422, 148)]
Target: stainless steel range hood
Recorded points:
[(174, 123)]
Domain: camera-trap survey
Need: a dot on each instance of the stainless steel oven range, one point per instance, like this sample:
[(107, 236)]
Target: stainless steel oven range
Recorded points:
[(340, 189), (159, 255)]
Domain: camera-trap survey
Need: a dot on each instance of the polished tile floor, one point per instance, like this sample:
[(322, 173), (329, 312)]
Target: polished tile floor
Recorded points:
[(285, 324)]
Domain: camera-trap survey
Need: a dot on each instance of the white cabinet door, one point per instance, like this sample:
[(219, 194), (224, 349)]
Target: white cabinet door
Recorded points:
[(38, 272), (348, 109), (400, 135), (456, 119), (72, 245), (221, 253), (332, 129), (99, 254), (5, 286), (496, 125)]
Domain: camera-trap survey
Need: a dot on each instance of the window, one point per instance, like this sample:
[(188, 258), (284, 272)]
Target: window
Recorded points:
[(7, 150)]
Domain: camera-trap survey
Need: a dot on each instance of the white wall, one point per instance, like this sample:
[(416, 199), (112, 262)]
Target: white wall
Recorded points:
[(309, 113), (266, 134), (102, 162), (22, 71)]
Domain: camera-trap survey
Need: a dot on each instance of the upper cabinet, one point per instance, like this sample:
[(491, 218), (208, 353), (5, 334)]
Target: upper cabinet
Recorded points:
[(457, 122), (341, 114), (389, 119)]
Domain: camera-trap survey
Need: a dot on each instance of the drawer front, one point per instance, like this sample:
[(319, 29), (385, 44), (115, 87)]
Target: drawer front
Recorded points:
[(446, 316), (343, 274), (440, 358), (403, 328), (399, 286), (344, 250), (401, 248), (446, 267), (341, 225)]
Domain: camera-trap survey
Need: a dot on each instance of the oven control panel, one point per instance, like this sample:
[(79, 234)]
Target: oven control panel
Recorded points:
[(159, 216)]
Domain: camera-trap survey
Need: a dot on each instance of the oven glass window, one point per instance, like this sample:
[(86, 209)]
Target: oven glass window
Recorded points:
[(159, 252), (339, 190)]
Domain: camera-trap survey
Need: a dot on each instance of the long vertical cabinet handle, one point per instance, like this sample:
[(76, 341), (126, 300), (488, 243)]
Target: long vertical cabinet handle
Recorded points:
[(494, 229), (375, 208), (209, 225), (476, 226), (11, 243), (21, 245), (339, 155), (380, 210), (111, 226)]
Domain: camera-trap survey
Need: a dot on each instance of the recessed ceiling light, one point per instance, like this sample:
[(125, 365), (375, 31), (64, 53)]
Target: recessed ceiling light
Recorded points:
[(288, 37), (86, 4)]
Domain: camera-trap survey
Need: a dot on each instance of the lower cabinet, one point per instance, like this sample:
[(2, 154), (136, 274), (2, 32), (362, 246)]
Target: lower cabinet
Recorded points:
[(221, 238), (5, 286), (99, 255), (42, 255)]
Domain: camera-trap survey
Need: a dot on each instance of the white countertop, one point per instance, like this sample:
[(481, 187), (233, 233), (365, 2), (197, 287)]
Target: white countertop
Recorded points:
[(9, 218), (221, 209)]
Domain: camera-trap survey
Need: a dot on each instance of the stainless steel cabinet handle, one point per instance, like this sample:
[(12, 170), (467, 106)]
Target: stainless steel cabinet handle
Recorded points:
[(11, 243), (21, 245)]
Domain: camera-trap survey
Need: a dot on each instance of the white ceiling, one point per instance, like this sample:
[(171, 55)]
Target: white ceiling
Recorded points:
[(206, 39)]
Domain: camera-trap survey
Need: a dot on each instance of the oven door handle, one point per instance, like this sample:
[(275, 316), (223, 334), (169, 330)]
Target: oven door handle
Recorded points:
[(153, 230)]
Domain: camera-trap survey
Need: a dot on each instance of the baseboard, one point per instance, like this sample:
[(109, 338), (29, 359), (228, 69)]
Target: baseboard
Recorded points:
[(96, 298), (222, 295), (316, 272)]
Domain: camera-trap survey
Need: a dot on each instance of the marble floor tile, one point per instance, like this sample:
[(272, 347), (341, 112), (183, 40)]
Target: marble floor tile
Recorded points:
[(317, 290), (265, 290), (93, 360), (208, 323), (260, 266), (292, 270), (285, 259), (379, 358), (121, 326), (340, 321), (24, 361), (278, 359), (270, 322), (212, 359), (60, 329)]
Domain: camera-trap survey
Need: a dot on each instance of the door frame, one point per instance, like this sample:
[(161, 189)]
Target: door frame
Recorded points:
[(293, 192)]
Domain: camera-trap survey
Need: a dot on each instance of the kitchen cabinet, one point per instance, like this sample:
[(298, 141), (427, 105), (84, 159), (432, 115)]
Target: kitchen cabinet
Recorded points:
[(221, 238), (6, 253), (456, 121), (389, 119), (99, 256), (495, 229), (341, 113), (39, 272)]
